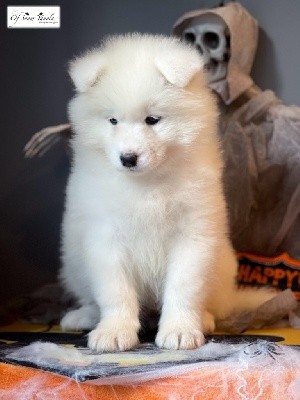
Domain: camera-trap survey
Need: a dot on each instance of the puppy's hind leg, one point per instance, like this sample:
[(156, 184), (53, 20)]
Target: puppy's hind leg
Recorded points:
[(85, 317), (208, 323)]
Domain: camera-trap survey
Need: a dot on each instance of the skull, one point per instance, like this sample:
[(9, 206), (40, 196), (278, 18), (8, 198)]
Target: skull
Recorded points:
[(210, 35)]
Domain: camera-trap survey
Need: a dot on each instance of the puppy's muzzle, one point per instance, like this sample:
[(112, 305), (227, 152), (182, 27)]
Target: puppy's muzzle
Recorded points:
[(129, 160)]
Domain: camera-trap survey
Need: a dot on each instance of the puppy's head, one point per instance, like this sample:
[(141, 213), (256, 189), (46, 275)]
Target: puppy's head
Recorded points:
[(140, 100)]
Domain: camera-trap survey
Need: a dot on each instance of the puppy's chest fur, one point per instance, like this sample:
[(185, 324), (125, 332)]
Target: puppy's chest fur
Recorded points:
[(147, 228), (145, 219), (147, 224)]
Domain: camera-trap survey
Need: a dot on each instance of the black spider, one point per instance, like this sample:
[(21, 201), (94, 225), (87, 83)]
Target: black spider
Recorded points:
[(263, 348)]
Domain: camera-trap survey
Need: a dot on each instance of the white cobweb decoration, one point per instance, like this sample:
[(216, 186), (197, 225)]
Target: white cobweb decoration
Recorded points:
[(252, 367)]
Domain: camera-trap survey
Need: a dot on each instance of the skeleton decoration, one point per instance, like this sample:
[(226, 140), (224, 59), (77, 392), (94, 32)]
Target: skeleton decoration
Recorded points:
[(46, 138), (228, 38), (260, 135), (210, 34)]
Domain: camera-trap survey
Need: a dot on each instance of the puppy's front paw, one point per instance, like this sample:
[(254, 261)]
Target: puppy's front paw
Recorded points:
[(113, 338), (179, 337)]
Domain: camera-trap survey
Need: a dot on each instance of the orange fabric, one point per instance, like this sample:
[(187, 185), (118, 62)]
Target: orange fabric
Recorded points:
[(207, 385)]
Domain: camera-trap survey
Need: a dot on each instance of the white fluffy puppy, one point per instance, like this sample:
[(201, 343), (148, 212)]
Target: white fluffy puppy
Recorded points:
[(145, 224)]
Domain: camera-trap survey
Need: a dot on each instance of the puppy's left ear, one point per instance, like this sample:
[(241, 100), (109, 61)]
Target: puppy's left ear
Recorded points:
[(87, 69), (179, 65)]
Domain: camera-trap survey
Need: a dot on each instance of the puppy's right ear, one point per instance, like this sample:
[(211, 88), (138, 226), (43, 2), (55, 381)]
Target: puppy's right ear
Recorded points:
[(86, 70), (179, 64)]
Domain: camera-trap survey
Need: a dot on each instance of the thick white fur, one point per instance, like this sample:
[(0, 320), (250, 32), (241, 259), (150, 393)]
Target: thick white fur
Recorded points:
[(154, 237)]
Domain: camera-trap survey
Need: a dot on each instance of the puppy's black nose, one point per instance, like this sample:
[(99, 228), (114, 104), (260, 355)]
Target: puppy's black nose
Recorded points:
[(129, 160)]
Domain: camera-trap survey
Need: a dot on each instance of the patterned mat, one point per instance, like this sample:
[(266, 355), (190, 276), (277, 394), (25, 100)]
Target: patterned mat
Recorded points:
[(47, 348)]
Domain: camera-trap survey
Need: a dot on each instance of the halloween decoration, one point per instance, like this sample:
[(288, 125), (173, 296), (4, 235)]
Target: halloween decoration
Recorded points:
[(210, 34), (261, 136)]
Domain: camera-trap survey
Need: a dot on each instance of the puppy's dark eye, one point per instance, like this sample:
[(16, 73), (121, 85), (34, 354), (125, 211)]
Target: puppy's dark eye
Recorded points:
[(150, 120), (113, 121)]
